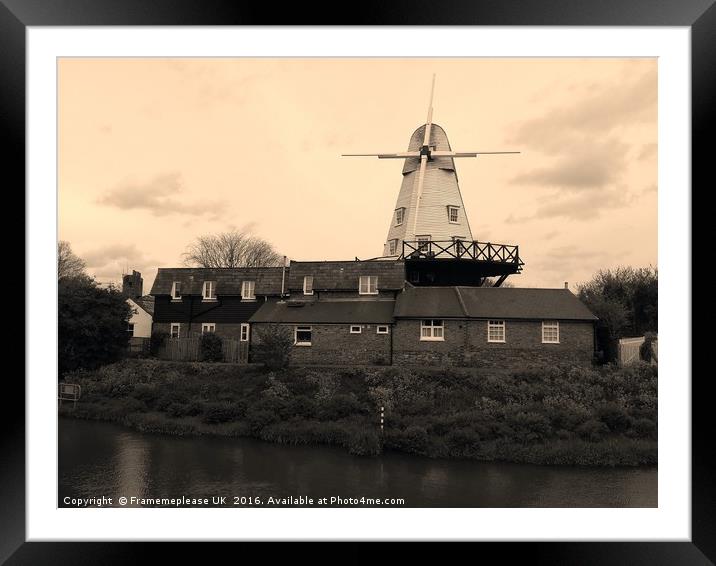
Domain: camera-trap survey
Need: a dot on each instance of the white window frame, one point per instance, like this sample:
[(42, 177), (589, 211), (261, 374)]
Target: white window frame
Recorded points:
[(308, 287), (207, 327), (176, 284), (245, 334), (382, 329), (435, 332), (302, 328), (550, 325), (368, 286), (356, 329), (426, 240), (248, 290), (208, 291), (399, 216), (496, 325), (393, 246), (172, 326), (450, 210), (130, 327)]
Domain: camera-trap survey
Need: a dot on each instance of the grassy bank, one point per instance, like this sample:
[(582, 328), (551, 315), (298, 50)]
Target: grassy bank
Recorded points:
[(553, 415)]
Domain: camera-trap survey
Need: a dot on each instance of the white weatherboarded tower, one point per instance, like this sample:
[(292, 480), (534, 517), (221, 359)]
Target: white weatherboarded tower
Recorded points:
[(429, 206)]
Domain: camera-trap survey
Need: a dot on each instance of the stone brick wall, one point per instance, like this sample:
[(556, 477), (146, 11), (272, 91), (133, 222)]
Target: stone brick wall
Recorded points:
[(466, 344), (333, 344)]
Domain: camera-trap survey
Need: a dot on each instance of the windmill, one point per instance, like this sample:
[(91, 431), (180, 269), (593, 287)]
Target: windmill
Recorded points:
[(429, 221)]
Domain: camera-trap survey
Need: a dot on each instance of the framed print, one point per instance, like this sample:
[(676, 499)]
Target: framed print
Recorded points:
[(390, 279)]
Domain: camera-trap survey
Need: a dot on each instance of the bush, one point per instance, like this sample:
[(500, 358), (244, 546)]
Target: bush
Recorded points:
[(413, 439), (156, 341), (185, 410), (592, 430), (222, 412), (364, 442), (614, 416), (646, 351), (339, 407), (211, 348), (273, 346)]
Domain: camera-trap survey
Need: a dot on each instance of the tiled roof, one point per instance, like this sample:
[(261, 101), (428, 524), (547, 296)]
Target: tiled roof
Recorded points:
[(491, 302), (326, 312), (228, 280), (344, 275), (146, 302)]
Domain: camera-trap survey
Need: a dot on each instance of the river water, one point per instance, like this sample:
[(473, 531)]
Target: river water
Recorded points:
[(101, 459)]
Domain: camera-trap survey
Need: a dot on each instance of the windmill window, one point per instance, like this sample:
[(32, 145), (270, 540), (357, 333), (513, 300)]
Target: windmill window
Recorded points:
[(176, 291), (550, 332), (432, 330), (308, 285), (452, 214), (423, 242), (459, 246), (368, 285), (208, 291), (303, 335), (399, 216), (495, 330), (247, 290), (393, 247)]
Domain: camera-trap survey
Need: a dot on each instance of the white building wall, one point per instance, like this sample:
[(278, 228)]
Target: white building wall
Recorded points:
[(141, 319)]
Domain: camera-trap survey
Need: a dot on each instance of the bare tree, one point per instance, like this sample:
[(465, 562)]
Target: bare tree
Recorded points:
[(68, 264), (231, 249)]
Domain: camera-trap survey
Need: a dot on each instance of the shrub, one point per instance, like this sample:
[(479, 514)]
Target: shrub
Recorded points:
[(364, 442), (592, 430), (258, 418), (222, 412), (211, 348), (147, 392), (339, 407), (413, 439), (185, 410), (614, 416), (156, 341), (273, 346), (645, 428), (646, 351)]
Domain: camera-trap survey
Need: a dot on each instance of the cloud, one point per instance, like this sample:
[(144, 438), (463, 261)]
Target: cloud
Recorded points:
[(647, 151), (583, 206), (569, 259), (109, 262), (157, 197)]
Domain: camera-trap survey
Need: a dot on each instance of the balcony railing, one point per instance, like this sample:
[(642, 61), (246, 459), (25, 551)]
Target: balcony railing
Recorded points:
[(462, 249)]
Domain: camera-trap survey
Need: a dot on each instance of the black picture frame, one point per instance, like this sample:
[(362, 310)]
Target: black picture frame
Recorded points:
[(17, 15)]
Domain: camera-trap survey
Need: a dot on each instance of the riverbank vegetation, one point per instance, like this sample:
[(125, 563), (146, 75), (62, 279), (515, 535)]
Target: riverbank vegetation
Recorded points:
[(604, 416)]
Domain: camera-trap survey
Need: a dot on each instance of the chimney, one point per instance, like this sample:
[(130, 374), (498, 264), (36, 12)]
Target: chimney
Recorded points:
[(132, 285), (566, 285)]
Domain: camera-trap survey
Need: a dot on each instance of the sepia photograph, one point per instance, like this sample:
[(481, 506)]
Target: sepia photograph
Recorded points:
[(357, 282)]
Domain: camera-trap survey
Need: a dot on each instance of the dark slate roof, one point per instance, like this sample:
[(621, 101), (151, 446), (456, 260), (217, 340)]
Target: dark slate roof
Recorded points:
[(491, 302), (326, 312), (343, 275), (146, 302), (228, 279)]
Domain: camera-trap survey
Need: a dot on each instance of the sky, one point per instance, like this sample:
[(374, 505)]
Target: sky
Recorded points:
[(156, 152)]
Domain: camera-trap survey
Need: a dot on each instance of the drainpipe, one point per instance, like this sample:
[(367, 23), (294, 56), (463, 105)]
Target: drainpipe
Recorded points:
[(283, 277)]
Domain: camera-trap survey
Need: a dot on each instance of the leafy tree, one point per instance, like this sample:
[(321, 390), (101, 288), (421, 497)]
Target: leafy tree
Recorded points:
[(210, 348), (274, 346), (68, 264), (92, 324), (231, 249)]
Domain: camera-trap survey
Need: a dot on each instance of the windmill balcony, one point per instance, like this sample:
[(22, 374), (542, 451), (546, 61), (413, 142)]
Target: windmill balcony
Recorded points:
[(486, 252)]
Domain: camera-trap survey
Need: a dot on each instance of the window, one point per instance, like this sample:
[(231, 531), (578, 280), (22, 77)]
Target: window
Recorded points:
[(308, 285), (495, 330), (244, 332), (382, 329), (175, 330), (399, 216), (452, 214), (423, 242), (247, 290), (176, 291), (550, 332), (459, 246), (356, 329), (207, 327), (393, 247), (302, 336), (432, 330), (208, 291), (130, 328), (368, 285)]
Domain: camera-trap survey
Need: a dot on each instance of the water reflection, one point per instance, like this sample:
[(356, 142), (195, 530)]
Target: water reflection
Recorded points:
[(97, 459)]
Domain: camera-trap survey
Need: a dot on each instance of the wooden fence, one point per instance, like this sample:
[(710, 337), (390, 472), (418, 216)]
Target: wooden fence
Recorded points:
[(188, 349), (629, 350)]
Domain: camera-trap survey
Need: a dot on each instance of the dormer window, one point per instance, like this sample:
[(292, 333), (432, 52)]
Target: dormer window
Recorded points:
[(176, 291), (308, 285), (452, 214), (393, 247), (247, 290), (399, 216), (368, 285), (208, 291)]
